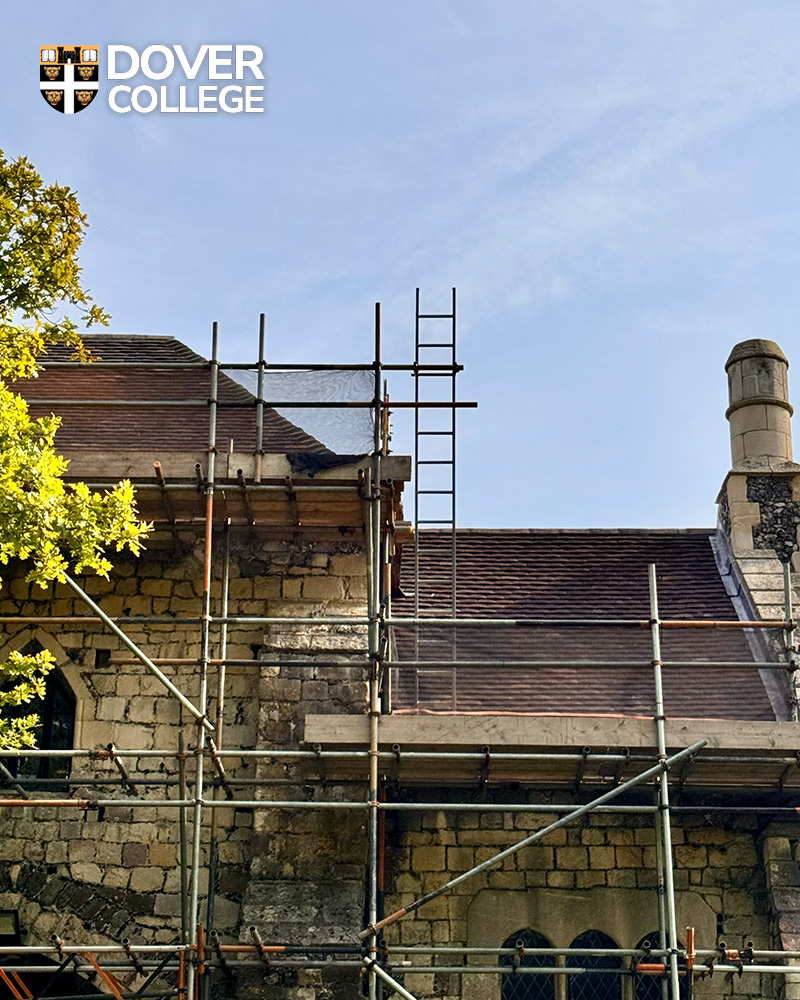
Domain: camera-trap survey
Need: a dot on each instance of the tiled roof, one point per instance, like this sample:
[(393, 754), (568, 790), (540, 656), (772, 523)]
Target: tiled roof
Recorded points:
[(166, 428), (595, 574)]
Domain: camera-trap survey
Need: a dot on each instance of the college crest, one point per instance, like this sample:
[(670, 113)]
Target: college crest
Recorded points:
[(69, 76)]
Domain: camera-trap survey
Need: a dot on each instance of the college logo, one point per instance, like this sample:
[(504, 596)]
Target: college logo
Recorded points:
[(69, 76)]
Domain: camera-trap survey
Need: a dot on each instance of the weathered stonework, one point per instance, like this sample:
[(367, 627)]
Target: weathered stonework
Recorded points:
[(308, 877), (598, 872), (99, 875), (780, 514)]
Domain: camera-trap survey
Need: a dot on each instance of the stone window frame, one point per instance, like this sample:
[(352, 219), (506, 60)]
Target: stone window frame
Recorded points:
[(562, 914), (68, 670)]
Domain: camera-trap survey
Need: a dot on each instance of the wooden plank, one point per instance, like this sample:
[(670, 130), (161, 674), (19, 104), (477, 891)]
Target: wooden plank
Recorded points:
[(469, 732), (89, 463)]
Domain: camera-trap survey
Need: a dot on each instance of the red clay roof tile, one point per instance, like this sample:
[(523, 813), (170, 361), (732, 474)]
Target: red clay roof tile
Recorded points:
[(574, 574), (169, 428)]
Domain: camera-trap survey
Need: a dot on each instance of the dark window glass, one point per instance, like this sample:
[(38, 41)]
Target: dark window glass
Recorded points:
[(594, 985), (522, 986), (56, 727), (649, 987)]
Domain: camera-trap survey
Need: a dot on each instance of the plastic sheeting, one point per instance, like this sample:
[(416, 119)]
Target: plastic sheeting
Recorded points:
[(345, 431)]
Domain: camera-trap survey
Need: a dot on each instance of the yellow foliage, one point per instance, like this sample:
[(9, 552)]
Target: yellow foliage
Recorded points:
[(51, 526)]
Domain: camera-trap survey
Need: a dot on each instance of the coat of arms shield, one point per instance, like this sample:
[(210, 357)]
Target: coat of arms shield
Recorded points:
[(69, 76)]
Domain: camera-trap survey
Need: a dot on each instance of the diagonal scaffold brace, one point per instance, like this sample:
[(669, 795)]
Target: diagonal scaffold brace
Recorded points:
[(638, 779), (371, 965), (141, 656)]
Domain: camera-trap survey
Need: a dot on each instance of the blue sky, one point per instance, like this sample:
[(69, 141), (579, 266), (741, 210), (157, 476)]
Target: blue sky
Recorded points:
[(612, 187)]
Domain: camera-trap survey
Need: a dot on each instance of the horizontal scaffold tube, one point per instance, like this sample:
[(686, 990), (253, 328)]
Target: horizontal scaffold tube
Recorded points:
[(398, 755), (336, 754), (588, 622), (395, 622), (486, 807), (355, 949), (363, 661), (568, 664), (244, 366), (420, 949), (561, 970), (285, 404), (503, 970), (256, 487), (169, 620)]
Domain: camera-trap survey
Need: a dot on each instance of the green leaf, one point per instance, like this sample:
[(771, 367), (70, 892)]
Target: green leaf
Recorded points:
[(53, 527)]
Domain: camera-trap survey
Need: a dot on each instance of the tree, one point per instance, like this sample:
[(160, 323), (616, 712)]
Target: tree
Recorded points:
[(51, 526)]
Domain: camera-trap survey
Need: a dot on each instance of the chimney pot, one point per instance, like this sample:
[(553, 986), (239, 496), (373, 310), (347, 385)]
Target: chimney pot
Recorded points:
[(759, 411)]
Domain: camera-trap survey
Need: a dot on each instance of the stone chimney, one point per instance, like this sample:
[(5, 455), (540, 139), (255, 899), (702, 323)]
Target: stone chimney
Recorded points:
[(759, 410), (759, 503)]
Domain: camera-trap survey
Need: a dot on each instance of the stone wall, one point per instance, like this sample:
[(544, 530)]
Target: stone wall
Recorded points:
[(595, 874), (759, 515), (299, 874), (98, 875), (308, 877)]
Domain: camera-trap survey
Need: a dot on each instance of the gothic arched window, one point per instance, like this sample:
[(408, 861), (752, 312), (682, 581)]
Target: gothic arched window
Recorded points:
[(602, 984), (519, 986), (56, 727), (649, 987)]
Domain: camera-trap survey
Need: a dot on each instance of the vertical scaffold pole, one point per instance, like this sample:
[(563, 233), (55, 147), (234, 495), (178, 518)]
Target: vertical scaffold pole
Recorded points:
[(416, 484), (205, 643), (387, 543), (213, 844), (791, 640), (262, 323), (662, 912), (453, 538), (663, 787), (184, 844), (374, 641)]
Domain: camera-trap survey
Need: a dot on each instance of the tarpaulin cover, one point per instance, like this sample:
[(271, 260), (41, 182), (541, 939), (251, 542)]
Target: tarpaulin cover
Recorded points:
[(346, 431)]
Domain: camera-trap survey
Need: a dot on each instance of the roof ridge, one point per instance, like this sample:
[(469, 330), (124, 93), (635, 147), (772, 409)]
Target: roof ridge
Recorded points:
[(137, 336)]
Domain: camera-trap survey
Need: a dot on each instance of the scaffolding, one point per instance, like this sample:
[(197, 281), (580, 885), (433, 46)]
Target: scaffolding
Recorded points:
[(189, 964)]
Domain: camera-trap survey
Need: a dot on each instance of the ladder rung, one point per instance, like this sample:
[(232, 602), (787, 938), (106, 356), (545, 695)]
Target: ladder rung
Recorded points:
[(436, 492), (437, 433), (435, 461), (436, 345), (446, 521), (435, 316)]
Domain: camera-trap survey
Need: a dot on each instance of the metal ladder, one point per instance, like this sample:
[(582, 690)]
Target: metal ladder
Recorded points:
[(424, 439)]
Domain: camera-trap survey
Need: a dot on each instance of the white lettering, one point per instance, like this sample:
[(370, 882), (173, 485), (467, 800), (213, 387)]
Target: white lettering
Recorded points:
[(253, 95), (221, 61), (169, 60), (133, 55), (165, 107), (216, 62), (182, 101), (252, 63), (151, 92), (112, 100), (235, 103), (204, 95), (191, 69)]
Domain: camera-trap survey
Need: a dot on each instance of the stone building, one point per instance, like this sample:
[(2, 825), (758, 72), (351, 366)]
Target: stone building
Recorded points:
[(348, 763)]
